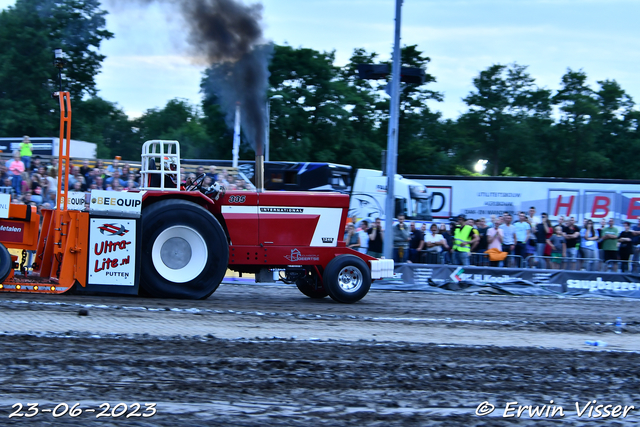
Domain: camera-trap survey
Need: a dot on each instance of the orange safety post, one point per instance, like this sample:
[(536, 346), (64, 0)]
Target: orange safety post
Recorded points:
[(63, 147), (65, 246)]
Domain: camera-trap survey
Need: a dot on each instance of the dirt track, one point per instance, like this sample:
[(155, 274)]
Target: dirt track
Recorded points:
[(254, 355)]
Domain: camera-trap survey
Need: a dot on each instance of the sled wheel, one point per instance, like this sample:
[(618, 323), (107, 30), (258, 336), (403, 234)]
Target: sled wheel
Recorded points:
[(307, 285), (5, 263), (184, 250), (347, 278)]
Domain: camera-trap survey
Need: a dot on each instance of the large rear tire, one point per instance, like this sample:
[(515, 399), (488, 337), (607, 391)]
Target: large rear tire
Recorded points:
[(347, 278), (184, 250), (5, 263), (311, 286)]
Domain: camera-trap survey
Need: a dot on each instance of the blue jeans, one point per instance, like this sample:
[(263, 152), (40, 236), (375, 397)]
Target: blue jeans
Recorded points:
[(16, 183), (460, 258), (591, 254), (400, 255), (27, 162), (520, 250)]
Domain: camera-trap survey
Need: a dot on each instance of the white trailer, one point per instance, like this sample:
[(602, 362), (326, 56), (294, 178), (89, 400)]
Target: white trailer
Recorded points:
[(486, 196), (48, 146)]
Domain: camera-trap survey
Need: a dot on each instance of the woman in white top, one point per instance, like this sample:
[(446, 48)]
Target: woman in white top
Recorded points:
[(589, 245), (364, 236), (495, 235)]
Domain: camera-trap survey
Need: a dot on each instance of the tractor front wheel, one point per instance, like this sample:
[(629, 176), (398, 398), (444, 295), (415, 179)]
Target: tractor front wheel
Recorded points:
[(347, 278)]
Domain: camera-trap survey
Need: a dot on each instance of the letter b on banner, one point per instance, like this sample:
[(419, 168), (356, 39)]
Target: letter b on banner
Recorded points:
[(630, 206), (600, 204)]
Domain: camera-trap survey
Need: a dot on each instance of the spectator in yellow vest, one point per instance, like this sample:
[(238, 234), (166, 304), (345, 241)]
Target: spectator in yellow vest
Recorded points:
[(463, 239), (25, 152)]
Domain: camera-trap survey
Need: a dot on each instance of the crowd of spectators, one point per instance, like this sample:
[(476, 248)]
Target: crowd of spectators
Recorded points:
[(530, 241), (37, 183)]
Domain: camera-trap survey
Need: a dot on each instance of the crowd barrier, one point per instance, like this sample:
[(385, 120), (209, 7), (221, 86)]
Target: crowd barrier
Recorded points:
[(532, 261), (582, 264), (512, 281)]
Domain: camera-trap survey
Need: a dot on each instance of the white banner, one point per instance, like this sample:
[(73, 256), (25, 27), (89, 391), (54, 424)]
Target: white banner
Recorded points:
[(112, 252), (76, 201), (5, 201), (116, 202), (488, 196)]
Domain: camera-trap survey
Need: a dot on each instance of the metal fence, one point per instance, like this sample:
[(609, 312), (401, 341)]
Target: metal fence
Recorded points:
[(475, 259), (427, 257), (564, 263), (623, 266), (483, 260), (532, 261)]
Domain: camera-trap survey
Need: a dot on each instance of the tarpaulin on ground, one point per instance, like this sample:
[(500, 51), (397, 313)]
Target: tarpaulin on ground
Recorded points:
[(512, 281)]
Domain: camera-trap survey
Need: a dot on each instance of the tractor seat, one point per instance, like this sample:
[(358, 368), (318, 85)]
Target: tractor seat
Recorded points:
[(154, 178)]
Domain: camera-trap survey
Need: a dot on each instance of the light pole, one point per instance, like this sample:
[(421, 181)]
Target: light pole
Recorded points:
[(392, 138), (266, 137), (59, 63)]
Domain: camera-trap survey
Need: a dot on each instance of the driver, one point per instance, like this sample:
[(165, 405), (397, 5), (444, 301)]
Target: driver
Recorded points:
[(170, 164)]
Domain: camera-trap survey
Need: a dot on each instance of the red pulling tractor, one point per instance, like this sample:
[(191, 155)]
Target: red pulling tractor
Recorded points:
[(174, 241)]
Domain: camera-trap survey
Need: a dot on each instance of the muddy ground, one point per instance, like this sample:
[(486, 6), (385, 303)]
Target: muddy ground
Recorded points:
[(253, 355)]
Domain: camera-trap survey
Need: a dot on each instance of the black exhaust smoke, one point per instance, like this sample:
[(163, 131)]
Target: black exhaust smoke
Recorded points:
[(228, 34), (243, 81)]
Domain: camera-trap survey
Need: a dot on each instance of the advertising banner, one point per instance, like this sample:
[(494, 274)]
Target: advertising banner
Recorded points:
[(116, 203), (527, 281), (483, 197), (11, 231), (5, 200), (112, 252), (609, 284), (76, 201)]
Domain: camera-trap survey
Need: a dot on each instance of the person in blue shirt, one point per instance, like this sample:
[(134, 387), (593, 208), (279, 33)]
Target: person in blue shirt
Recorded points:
[(523, 234)]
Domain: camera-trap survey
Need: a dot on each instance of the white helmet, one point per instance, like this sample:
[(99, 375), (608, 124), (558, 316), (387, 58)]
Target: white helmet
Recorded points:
[(170, 163)]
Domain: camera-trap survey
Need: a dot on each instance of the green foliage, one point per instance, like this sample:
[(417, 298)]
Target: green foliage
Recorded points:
[(578, 127), (29, 31), (307, 122), (504, 115), (507, 172), (178, 120), (462, 171), (617, 139), (104, 123)]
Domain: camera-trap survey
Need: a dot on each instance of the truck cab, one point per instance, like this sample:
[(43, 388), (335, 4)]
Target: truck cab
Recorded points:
[(369, 194)]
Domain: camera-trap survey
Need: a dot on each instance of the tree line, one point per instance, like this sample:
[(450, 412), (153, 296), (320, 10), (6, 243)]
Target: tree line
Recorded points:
[(323, 112)]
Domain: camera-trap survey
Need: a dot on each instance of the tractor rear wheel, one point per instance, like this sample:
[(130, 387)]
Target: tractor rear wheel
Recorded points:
[(347, 278), (5, 263), (311, 286), (184, 250)]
